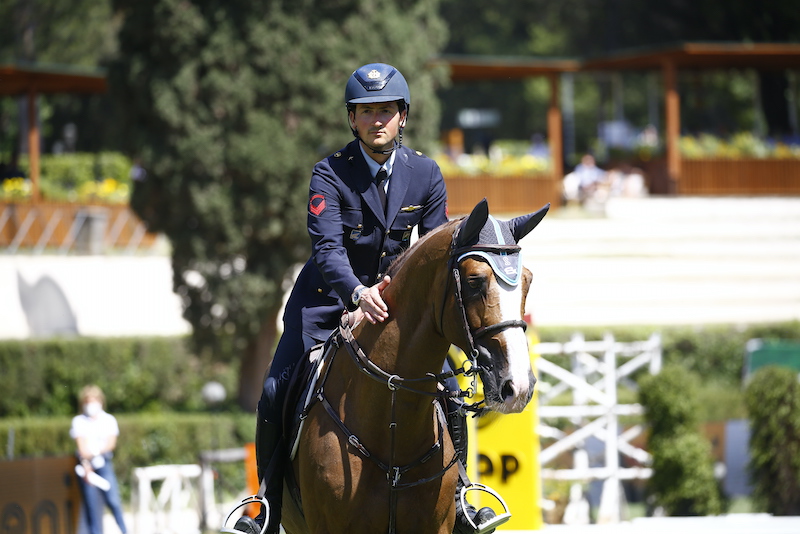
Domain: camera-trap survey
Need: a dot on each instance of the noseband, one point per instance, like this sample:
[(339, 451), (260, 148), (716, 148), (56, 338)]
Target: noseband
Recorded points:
[(474, 334)]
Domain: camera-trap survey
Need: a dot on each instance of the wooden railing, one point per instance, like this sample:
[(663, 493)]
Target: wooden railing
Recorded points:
[(505, 194), (69, 227), (751, 177)]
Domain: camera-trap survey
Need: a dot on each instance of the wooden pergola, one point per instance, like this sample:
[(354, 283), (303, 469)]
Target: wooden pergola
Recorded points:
[(668, 60), (474, 68), (31, 80), (694, 56)]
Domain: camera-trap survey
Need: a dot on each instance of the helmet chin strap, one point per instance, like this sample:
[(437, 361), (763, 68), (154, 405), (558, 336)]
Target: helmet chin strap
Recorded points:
[(395, 146)]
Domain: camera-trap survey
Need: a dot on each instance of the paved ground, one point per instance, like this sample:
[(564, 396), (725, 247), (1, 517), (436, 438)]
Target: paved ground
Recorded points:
[(729, 524), (658, 261)]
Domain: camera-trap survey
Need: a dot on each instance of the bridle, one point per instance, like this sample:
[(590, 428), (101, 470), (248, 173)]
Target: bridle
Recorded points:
[(471, 335), (344, 338)]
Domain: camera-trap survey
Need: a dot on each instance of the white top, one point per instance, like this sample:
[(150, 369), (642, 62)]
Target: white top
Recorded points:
[(374, 166), (96, 430)]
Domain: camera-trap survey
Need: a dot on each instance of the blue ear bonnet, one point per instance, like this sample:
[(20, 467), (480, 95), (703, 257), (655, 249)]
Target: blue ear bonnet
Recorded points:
[(507, 266)]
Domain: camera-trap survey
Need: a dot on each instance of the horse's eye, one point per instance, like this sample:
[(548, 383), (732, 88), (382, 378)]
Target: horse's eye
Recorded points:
[(476, 282)]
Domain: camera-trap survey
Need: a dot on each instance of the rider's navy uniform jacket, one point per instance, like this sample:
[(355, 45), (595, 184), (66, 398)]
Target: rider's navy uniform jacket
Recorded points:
[(352, 241)]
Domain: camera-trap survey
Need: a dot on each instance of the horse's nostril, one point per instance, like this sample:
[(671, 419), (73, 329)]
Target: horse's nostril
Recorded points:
[(508, 390)]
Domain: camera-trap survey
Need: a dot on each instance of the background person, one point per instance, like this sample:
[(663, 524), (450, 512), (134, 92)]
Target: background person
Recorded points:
[(95, 433)]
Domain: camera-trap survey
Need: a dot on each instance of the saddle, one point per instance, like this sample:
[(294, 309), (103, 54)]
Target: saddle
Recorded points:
[(302, 393)]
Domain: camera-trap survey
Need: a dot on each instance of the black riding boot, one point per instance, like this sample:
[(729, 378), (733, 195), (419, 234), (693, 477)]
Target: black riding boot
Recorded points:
[(457, 423), (270, 463)]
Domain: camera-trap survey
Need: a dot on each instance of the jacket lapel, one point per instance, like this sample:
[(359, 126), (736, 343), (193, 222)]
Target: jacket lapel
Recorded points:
[(365, 182), (398, 184)]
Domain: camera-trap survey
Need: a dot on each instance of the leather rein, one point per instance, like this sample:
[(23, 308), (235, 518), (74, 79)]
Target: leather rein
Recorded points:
[(344, 338)]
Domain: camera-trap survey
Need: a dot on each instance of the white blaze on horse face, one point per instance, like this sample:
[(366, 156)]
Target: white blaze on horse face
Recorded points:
[(516, 342)]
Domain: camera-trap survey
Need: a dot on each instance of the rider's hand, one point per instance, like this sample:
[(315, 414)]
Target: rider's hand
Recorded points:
[(372, 304), (354, 317)]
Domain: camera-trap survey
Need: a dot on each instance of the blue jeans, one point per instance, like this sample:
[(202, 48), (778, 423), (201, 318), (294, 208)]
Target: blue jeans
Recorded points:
[(94, 499)]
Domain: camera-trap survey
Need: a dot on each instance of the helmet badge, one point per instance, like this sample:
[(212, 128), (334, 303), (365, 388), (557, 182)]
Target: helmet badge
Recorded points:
[(373, 74)]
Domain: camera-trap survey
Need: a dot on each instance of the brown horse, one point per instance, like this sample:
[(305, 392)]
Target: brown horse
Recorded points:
[(374, 455)]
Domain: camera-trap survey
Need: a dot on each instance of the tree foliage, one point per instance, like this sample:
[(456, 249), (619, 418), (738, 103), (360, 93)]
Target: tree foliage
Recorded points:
[(683, 480), (59, 33), (773, 401), (75, 32), (228, 106)]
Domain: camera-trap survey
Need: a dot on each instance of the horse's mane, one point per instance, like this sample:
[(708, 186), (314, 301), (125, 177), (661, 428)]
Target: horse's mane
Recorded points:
[(398, 263)]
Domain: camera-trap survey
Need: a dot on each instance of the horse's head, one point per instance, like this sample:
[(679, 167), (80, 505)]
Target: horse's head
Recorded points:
[(491, 286)]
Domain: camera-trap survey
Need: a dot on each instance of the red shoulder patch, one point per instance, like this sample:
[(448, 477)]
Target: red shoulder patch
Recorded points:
[(316, 205)]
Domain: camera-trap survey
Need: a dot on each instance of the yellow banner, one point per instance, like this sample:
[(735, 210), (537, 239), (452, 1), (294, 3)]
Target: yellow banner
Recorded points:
[(506, 458)]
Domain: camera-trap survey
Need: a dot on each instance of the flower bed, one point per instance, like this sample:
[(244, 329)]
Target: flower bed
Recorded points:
[(103, 177)]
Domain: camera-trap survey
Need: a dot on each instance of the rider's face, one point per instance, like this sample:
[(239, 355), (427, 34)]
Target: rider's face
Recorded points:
[(378, 123)]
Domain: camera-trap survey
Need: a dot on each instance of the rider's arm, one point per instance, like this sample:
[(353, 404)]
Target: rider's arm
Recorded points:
[(326, 228)]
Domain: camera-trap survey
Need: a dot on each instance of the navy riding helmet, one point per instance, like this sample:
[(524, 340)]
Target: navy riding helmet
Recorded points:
[(378, 82)]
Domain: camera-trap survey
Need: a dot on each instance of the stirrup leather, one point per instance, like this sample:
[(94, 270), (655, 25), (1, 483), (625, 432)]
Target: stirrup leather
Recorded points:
[(253, 499), (494, 522)]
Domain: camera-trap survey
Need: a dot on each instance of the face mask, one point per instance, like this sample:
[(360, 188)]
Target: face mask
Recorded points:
[(92, 408)]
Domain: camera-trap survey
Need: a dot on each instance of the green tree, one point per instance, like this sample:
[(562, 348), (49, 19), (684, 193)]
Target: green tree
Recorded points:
[(773, 400), (228, 105), (73, 32), (61, 33)]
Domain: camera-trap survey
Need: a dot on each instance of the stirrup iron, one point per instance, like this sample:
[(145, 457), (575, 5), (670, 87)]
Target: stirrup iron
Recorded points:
[(253, 499), (494, 522)]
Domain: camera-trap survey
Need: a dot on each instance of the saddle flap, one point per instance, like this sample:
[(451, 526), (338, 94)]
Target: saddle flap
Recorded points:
[(301, 393)]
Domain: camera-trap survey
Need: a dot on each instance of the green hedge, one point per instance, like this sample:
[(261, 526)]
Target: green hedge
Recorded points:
[(43, 378), (148, 439), (714, 352), (153, 387)]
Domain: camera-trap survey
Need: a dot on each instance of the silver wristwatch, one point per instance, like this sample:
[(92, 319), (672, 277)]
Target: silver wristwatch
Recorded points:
[(355, 298)]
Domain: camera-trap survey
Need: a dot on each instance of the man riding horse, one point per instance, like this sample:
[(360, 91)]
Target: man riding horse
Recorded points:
[(364, 202)]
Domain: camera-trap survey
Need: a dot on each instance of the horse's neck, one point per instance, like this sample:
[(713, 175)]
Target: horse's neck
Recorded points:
[(412, 343), (409, 345)]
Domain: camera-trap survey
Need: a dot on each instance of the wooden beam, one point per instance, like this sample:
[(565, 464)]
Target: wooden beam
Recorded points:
[(33, 145), (480, 68), (555, 136), (673, 126)]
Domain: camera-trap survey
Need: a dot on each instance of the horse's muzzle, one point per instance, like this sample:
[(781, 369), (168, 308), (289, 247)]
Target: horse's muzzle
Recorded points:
[(507, 394)]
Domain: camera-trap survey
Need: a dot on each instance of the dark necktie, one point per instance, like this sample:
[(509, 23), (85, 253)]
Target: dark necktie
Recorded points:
[(380, 180)]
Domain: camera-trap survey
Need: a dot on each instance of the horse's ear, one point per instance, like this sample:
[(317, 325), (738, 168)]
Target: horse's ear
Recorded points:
[(522, 226), (471, 227)]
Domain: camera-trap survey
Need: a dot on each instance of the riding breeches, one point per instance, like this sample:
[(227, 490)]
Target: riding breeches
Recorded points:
[(291, 347)]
